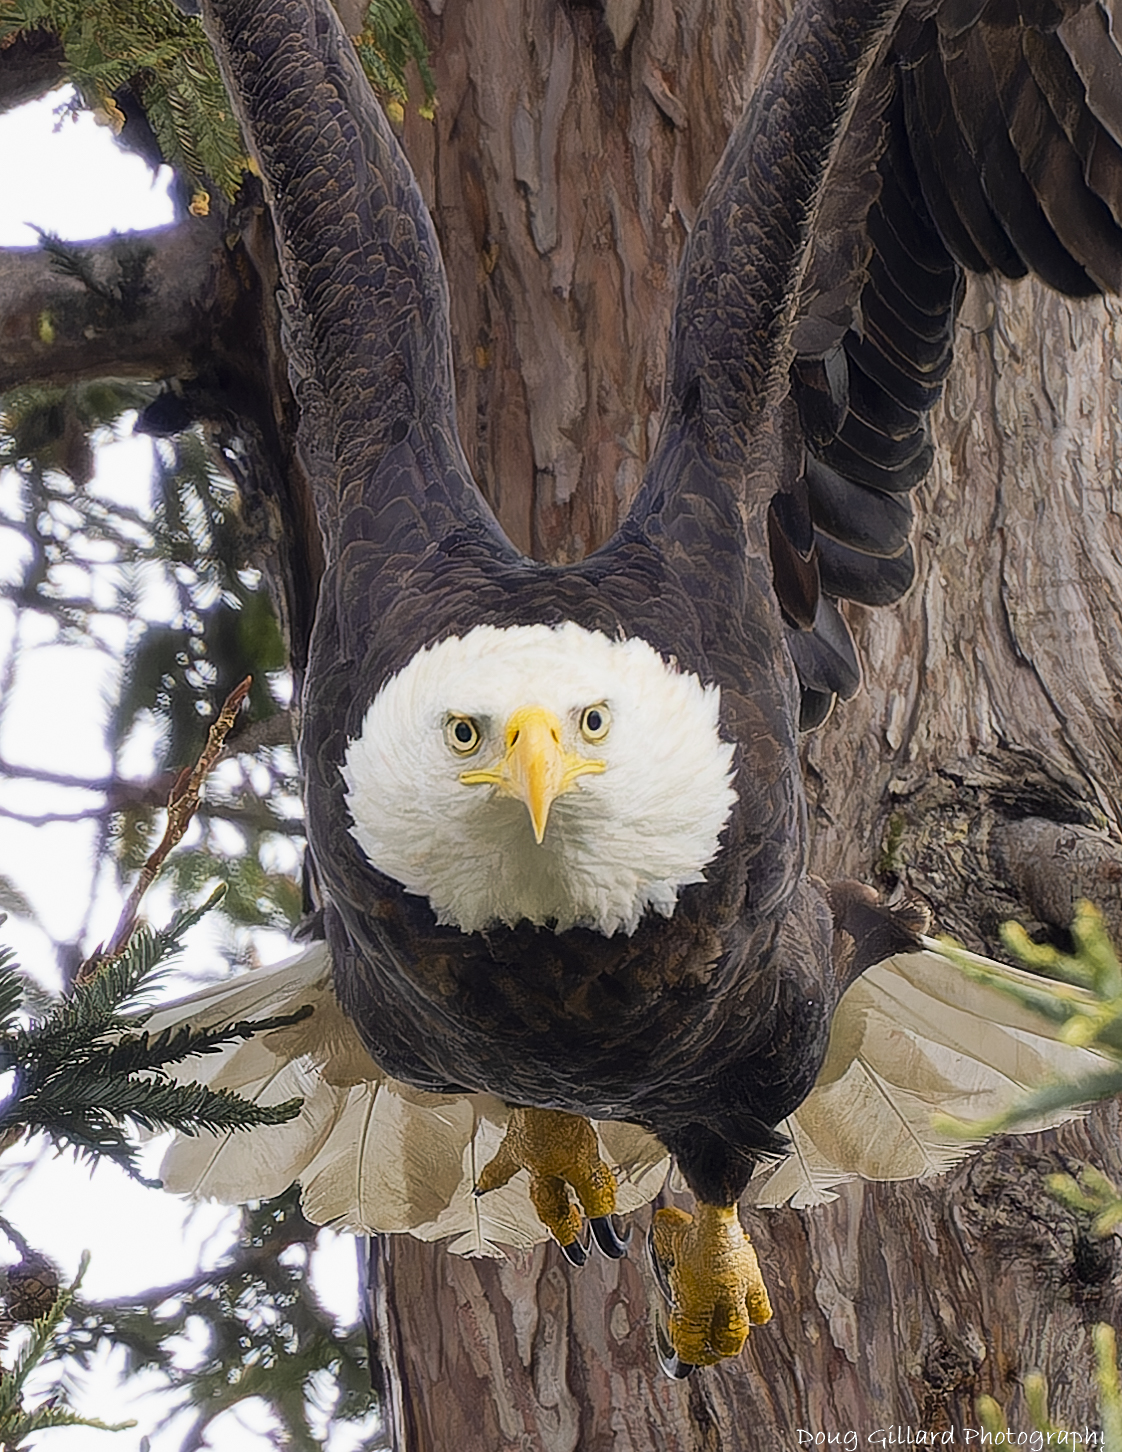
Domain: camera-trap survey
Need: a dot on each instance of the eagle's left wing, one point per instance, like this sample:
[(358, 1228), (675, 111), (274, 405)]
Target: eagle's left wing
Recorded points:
[(889, 148)]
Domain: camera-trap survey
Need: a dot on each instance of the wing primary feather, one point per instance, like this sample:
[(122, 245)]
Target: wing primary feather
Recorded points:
[(732, 266), (866, 579), (948, 174), (1098, 151), (1089, 39), (825, 657), (974, 91), (865, 519), (794, 570), (814, 707), (1082, 223)]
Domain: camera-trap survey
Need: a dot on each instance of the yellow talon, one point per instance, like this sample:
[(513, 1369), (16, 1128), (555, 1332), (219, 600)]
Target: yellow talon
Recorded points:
[(716, 1291), (560, 1150)]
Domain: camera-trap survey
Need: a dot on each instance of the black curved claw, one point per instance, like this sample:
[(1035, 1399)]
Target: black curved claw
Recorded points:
[(607, 1238), (658, 1268), (575, 1253), (671, 1363)]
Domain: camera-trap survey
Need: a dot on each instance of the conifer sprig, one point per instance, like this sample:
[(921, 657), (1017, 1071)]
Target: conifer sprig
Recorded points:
[(18, 1422), (391, 37), (163, 57), (87, 1071)]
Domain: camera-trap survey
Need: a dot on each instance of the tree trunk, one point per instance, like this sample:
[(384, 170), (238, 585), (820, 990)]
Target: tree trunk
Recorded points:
[(980, 766)]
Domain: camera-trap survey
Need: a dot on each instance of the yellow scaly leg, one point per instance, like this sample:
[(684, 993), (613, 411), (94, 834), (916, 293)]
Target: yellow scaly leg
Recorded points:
[(712, 1279), (561, 1151)]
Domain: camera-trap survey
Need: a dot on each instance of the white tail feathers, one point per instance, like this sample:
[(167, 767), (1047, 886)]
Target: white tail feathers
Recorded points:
[(371, 1154), (913, 1036)]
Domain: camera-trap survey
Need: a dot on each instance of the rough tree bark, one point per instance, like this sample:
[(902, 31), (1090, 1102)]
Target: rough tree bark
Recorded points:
[(980, 766)]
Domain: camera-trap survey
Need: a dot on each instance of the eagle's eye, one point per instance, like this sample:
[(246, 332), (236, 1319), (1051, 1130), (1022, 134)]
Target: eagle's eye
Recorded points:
[(462, 735), (595, 722)]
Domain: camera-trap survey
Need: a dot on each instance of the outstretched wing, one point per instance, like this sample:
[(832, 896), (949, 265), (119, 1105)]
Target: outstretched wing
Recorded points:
[(882, 155), (366, 293)]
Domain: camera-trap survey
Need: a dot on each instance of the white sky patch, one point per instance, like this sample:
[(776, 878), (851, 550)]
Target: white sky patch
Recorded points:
[(64, 173)]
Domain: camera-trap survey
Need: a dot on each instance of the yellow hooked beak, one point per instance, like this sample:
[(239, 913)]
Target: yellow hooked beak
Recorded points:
[(536, 768)]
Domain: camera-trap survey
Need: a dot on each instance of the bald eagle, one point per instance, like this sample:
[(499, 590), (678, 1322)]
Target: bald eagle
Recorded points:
[(555, 814)]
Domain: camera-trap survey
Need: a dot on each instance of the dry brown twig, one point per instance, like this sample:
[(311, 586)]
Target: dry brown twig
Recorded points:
[(183, 802)]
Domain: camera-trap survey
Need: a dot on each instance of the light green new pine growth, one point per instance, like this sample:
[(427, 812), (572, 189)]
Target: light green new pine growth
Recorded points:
[(992, 1417), (1092, 1194), (1110, 1385), (1036, 1395)]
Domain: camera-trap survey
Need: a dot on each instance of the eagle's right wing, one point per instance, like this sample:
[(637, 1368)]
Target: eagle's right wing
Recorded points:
[(366, 297)]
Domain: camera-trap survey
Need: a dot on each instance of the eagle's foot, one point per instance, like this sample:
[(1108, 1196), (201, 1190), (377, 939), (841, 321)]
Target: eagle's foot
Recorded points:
[(711, 1278), (560, 1150)]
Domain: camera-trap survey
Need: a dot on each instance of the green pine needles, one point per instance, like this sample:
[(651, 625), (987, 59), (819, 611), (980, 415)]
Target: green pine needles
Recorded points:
[(86, 1071), (392, 37), (1080, 994), (162, 56)]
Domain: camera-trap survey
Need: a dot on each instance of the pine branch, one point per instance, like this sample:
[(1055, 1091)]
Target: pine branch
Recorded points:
[(133, 1053), (392, 37), (84, 1072), (73, 261), (264, 1333), (164, 58), (11, 990), (100, 1002)]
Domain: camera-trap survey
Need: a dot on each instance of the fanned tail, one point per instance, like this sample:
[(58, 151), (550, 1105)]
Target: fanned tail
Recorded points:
[(372, 1155)]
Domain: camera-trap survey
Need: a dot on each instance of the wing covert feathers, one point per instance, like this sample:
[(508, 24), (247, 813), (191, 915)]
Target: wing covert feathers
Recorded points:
[(913, 1037)]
